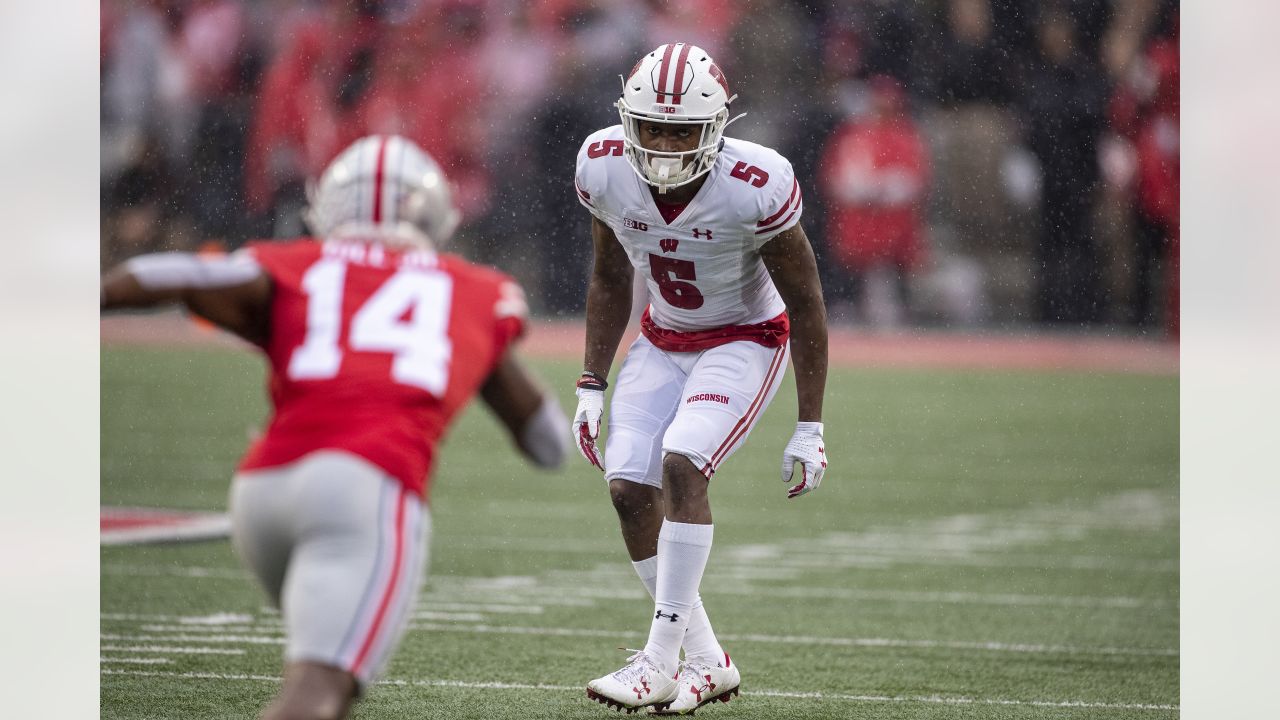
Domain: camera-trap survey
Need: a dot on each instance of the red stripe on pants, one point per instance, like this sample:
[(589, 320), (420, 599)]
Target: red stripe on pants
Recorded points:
[(744, 424), (390, 591)]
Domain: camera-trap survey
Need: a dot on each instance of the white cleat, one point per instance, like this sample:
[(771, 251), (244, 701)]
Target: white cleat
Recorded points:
[(638, 684), (700, 683)]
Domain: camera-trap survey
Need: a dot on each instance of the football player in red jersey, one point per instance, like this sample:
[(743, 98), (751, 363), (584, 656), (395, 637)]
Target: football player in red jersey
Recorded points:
[(375, 341)]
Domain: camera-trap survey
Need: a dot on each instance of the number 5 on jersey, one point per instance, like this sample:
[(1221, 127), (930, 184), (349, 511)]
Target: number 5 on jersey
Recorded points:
[(408, 316)]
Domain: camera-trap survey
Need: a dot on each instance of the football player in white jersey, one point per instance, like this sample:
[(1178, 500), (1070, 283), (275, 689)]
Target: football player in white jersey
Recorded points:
[(712, 226)]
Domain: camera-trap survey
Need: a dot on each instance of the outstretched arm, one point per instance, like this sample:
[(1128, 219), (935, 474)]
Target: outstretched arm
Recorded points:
[(789, 259), (232, 292), (531, 414)]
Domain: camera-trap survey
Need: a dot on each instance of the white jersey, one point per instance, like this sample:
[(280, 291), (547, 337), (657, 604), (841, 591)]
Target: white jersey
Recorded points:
[(703, 269)]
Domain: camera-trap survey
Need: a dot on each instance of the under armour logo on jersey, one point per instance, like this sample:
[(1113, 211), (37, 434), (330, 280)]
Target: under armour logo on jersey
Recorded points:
[(699, 233), (668, 244), (660, 615)]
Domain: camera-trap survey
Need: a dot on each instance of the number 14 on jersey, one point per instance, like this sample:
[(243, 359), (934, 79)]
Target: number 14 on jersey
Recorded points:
[(407, 316)]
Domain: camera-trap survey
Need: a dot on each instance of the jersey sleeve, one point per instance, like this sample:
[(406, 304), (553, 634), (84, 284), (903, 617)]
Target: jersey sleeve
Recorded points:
[(781, 204), (591, 174), (261, 252), (282, 261)]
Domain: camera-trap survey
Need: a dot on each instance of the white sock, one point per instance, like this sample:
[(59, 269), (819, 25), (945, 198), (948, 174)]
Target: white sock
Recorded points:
[(699, 639), (647, 569), (683, 549)]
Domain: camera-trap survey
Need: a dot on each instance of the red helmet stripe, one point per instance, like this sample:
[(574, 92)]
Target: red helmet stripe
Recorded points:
[(678, 90), (662, 72), (377, 180)]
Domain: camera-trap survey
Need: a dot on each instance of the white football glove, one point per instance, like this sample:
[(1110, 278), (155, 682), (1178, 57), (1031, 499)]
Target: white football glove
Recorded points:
[(586, 421), (806, 449)]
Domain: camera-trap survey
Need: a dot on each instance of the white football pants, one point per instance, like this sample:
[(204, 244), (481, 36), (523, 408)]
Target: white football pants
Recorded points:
[(698, 404)]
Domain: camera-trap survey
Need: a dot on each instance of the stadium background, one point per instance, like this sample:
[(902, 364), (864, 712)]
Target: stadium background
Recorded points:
[(1048, 191), (1002, 539)]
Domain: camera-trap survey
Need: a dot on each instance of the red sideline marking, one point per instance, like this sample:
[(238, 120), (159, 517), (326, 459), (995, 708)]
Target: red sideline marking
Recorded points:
[(127, 526), (564, 339), (126, 520)]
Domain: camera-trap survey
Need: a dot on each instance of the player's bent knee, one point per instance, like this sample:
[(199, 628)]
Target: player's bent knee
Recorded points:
[(679, 467), (686, 488), (632, 498)]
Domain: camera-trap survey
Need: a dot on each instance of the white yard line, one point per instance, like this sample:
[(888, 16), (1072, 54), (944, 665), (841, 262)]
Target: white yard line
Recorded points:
[(800, 640), (190, 571), (224, 619), (431, 614), (536, 592), (222, 629), (940, 557), (473, 685), (540, 594), (133, 661), (814, 641), (437, 597), (498, 609), (171, 650), (954, 645), (957, 598), (831, 553), (210, 638)]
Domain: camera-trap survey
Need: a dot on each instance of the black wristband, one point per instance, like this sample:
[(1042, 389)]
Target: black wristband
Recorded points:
[(592, 381)]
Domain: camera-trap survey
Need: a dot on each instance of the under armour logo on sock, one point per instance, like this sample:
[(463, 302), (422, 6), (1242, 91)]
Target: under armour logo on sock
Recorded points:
[(660, 615)]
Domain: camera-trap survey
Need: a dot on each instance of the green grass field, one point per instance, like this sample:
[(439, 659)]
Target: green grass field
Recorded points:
[(985, 545)]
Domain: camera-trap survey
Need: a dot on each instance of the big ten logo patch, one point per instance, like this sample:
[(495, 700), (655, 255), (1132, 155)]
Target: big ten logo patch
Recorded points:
[(635, 224)]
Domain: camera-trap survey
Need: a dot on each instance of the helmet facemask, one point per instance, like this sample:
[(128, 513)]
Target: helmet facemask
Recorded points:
[(676, 84), (665, 170)]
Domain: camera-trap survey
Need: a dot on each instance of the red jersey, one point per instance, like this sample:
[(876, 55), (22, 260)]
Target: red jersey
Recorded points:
[(374, 350), (875, 174)]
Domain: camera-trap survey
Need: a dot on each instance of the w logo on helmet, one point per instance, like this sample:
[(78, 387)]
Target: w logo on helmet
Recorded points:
[(668, 244)]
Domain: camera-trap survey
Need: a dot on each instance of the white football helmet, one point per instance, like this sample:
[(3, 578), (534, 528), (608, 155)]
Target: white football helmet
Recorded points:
[(676, 83), (383, 187)]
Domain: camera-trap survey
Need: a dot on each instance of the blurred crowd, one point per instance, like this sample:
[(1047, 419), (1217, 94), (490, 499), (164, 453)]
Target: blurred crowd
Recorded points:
[(967, 162)]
